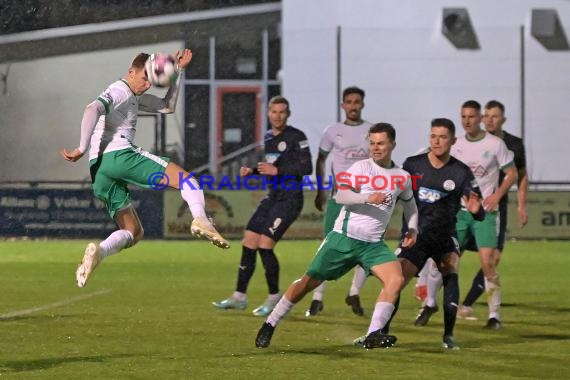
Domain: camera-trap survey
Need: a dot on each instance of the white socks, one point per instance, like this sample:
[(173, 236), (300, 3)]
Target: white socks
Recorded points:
[(195, 198), (357, 281), (424, 273), (434, 283), (319, 292), (115, 242), (382, 313), (239, 296), (280, 311), (493, 289)]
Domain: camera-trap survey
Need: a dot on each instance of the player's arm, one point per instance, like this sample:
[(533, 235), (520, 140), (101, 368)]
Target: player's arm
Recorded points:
[(522, 182), (166, 105), (411, 215), (472, 197), (154, 104), (491, 202), (321, 197), (91, 115), (521, 196), (505, 159), (296, 162)]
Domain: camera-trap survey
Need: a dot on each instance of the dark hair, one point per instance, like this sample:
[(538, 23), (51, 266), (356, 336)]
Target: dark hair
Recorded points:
[(139, 61), (472, 104), (445, 123), (384, 128), (352, 90), (495, 104), (278, 99)]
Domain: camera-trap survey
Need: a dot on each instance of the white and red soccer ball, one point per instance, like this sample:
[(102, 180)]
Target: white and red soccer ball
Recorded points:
[(161, 70)]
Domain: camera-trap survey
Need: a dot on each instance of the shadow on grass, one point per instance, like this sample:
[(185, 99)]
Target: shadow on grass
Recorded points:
[(529, 306), (345, 321), (40, 317), (349, 351), (340, 351), (547, 336), (47, 363)]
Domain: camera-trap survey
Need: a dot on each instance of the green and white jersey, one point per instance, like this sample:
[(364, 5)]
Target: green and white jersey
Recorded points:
[(346, 144), (368, 222), (115, 130), (486, 158)]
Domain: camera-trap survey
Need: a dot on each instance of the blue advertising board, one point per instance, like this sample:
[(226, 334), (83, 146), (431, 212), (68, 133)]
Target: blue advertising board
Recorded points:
[(71, 213)]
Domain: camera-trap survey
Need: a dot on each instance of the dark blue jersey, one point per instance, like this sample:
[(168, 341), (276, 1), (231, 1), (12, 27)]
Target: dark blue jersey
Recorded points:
[(289, 152), (438, 193), (516, 145)]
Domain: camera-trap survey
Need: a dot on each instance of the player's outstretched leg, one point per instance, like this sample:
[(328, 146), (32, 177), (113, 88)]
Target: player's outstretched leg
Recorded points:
[(317, 304), (377, 339), (91, 259), (423, 317), (264, 335), (449, 343), (202, 227)]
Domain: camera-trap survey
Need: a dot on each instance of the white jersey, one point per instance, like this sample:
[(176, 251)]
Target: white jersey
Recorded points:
[(368, 222), (346, 144), (115, 130), (486, 158)]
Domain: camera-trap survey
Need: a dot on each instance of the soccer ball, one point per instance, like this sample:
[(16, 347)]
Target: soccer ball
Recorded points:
[(161, 70)]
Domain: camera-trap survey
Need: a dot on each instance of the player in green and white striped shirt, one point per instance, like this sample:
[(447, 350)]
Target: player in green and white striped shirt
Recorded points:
[(108, 127)]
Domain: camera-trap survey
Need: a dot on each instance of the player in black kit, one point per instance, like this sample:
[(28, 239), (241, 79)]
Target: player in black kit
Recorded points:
[(287, 161), (444, 184)]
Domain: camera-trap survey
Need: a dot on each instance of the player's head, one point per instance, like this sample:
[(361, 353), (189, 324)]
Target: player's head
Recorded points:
[(136, 77), (442, 137), (494, 117), (382, 141), (278, 112), (352, 104), (471, 117)]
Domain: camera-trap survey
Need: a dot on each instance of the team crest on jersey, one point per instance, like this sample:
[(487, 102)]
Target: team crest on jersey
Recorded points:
[(282, 146), (449, 185), (478, 171)]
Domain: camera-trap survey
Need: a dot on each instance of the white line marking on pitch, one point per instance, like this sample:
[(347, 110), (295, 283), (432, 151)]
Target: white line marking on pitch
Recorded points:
[(19, 313)]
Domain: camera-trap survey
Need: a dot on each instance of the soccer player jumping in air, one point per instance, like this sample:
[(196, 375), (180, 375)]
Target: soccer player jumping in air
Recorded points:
[(108, 128)]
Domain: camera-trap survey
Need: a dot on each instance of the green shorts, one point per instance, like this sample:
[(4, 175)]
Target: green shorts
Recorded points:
[(332, 211), (338, 254), (485, 232), (113, 171)]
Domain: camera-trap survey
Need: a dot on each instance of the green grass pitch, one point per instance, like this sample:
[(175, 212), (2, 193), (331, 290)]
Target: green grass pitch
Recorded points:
[(146, 314)]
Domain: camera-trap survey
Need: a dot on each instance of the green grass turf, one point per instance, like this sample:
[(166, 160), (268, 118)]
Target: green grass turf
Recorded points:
[(147, 314)]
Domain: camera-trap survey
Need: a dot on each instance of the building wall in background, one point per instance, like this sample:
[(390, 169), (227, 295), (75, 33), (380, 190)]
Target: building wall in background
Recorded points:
[(42, 107), (395, 50)]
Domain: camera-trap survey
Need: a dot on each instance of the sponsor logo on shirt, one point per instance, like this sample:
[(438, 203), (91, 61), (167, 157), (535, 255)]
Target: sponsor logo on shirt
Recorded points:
[(429, 195)]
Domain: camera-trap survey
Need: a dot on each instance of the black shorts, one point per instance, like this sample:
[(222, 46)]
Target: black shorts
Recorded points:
[(424, 249), (273, 217), (501, 237)]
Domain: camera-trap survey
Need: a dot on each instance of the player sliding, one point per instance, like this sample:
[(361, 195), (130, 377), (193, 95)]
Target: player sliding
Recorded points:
[(357, 239), (108, 127)]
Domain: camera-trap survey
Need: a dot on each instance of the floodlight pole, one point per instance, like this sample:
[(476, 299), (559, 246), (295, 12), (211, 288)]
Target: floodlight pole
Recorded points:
[(338, 72), (522, 79)]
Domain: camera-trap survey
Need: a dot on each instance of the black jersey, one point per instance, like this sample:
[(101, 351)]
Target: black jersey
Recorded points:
[(516, 145), (438, 193), (289, 152)]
